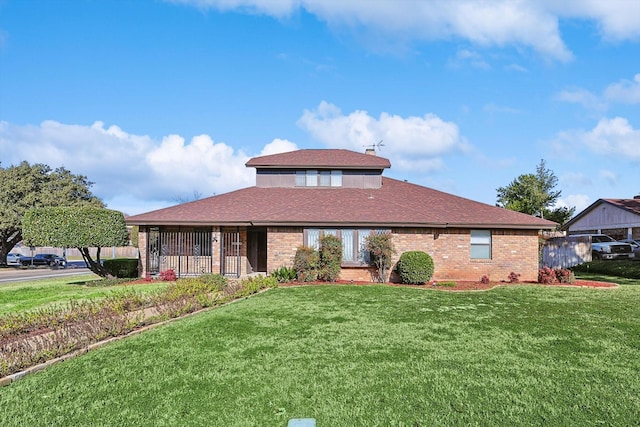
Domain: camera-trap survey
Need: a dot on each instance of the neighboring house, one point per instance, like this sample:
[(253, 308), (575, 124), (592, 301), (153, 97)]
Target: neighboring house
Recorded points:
[(618, 218), (301, 195)]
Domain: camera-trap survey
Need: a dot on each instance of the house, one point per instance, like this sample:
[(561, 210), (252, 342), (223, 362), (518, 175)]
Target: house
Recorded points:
[(301, 195), (619, 218)]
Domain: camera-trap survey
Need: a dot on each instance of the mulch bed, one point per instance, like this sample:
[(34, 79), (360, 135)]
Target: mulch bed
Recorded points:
[(460, 286), (466, 286)]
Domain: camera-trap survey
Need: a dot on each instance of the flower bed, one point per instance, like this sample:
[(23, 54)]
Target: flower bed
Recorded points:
[(30, 338)]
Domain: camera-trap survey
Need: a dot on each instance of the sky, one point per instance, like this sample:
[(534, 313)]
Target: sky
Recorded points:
[(162, 101)]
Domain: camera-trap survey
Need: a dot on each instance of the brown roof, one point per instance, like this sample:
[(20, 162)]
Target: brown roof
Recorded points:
[(320, 158), (629, 205), (396, 203)]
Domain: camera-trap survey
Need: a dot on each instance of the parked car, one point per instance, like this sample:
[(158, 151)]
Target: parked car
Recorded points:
[(43, 259), (606, 247), (13, 259), (635, 245)]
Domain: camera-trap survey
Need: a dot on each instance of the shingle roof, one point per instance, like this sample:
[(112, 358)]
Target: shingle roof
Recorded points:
[(629, 205), (396, 203), (320, 158)]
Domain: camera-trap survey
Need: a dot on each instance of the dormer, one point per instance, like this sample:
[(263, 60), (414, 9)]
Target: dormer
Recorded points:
[(319, 169)]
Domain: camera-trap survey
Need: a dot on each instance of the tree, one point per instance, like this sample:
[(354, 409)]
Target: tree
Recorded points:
[(28, 186), (76, 227), (381, 248), (534, 194)]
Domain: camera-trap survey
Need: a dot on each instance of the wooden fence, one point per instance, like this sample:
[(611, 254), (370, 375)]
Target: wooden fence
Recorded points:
[(565, 252)]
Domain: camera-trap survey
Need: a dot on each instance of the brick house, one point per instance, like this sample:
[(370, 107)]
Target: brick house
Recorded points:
[(301, 195)]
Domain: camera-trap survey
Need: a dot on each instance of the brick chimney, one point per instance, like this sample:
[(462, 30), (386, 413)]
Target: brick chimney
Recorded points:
[(637, 197), (372, 152)]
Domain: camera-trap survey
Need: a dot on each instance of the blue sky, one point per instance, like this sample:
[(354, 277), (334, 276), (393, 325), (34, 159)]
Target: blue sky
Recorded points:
[(161, 101)]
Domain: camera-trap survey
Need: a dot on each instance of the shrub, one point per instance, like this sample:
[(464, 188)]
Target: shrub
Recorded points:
[(564, 275), (122, 267), (306, 263), (330, 258), (168, 275), (382, 250), (513, 277), (251, 285), (216, 282), (546, 275), (485, 280), (415, 267), (284, 274)]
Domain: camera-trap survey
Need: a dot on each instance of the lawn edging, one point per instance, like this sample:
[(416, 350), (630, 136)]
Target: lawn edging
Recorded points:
[(11, 378)]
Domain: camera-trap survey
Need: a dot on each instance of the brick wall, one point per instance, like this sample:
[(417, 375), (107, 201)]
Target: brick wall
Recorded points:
[(282, 243), (512, 251)]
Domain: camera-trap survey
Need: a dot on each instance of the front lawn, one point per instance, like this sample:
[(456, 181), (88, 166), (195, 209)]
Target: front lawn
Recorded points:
[(361, 356), (22, 296)]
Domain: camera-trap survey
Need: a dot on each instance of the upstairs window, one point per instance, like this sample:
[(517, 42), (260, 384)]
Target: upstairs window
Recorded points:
[(315, 178)]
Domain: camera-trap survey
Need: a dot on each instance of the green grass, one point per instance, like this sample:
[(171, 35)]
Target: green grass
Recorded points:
[(618, 268), (360, 356), (22, 296)]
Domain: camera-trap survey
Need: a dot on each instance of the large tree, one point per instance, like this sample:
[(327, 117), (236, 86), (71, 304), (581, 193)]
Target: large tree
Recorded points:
[(76, 227), (28, 186), (534, 194)]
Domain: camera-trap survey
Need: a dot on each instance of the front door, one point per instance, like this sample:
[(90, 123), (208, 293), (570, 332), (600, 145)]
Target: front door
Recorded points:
[(257, 249)]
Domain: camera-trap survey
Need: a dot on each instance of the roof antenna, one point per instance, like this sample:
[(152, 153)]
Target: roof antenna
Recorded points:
[(372, 148)]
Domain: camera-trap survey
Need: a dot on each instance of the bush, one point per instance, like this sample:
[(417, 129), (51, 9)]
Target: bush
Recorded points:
[(415, 267), (122, 267), (330, 258), (216, 282), (513, 277), (306, 264), (546, 275), (252, 285), (382, 250), (168, 275), (564, 275), (284, 274), (485, 280)]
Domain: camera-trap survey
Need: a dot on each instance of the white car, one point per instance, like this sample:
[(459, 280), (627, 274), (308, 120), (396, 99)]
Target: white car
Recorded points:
[(13, 259)]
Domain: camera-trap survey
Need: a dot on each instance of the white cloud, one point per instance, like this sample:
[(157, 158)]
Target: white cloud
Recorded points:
[(132, 173), (497, 23), (469, 57), (610, 137), (624, 91), (616, 19), (575, 179), (583, 97), (278, 146), (411, 143), (579, 201), (608, 176)]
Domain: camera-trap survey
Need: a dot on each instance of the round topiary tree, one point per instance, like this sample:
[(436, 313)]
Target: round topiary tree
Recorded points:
[(415, 267)]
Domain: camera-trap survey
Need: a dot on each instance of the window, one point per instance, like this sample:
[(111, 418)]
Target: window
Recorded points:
[(323, 178), (353, 242), (336, 178), (312, 178), (480, 244)]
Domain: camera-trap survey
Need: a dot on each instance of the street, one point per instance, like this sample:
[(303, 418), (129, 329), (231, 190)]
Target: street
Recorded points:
[(18, 274)]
